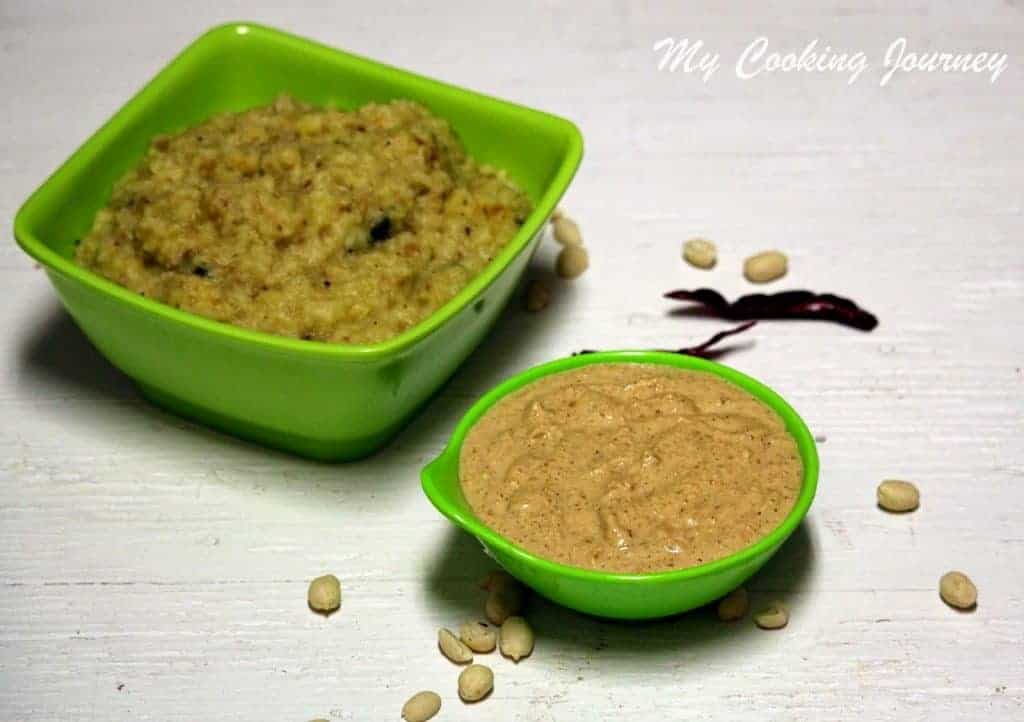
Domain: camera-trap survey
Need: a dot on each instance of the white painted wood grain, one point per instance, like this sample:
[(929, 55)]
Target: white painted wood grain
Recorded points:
[(153, 570)]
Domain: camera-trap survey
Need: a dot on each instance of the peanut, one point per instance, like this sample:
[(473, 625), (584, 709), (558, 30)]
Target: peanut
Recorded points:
[(324, 595), (453, 648), (765, 267), (496, 579), (475, 683), (538, 296), (503, 602), (894, 495), (479, 636), (700, 253), (421, 706), (957, 590), (516, 638), (774, 616), (567, 232), (572, 262), (734, 605)]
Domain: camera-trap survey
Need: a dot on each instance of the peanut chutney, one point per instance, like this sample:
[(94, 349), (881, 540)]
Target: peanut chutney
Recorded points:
[(631, 468), (321, 224)]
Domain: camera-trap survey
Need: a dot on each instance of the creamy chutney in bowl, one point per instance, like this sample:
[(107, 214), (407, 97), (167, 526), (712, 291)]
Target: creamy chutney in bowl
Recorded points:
[(631, 468), (628, 484)]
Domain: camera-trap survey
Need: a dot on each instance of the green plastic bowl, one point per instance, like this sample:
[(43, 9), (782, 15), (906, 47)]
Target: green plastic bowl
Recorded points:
[(320, 400), (606, 594)]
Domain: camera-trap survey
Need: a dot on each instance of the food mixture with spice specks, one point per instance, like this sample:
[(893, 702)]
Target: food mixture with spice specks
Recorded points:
[(321, 224), (631, 468)]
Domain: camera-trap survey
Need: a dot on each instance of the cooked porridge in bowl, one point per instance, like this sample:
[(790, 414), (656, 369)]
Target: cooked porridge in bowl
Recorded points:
[(320, 224)]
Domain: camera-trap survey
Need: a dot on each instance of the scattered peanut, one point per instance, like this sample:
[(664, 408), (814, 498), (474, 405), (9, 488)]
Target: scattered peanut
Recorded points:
[(453, 648), (421, 706), (475, 683), (503, 602), (496, 579), (894, 495), (734, 605), (700, 253), (572, 262), (516, 638), (557, 213), (957, 590), (774, 616), (479, 636), (765, 267), (538, 296), (567, 232), (324, 594)]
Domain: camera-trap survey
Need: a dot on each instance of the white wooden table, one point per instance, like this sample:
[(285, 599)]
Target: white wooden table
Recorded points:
[(153, 570)]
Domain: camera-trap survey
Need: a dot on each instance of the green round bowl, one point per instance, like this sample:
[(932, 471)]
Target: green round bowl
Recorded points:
[(608, 594)]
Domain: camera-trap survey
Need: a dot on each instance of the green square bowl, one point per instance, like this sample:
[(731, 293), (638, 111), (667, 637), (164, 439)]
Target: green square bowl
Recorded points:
[(320, 400), (609, 594)]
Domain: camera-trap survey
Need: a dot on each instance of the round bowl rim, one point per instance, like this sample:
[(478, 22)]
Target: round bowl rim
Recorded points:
[(447, 462)]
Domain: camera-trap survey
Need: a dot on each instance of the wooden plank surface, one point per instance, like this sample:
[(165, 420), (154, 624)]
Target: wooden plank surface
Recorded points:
[(154, 570)]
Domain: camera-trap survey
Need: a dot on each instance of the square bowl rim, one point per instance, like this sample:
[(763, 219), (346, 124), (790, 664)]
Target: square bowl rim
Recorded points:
[(468, 521), (82, 157)]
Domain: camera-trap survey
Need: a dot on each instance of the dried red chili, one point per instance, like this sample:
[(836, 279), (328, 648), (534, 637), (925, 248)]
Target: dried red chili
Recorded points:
[(703, 350), (787, 304)]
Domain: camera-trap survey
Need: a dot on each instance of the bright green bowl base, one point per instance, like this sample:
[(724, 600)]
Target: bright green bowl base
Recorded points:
[(606, 594), (349, 449), (619, 602)]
